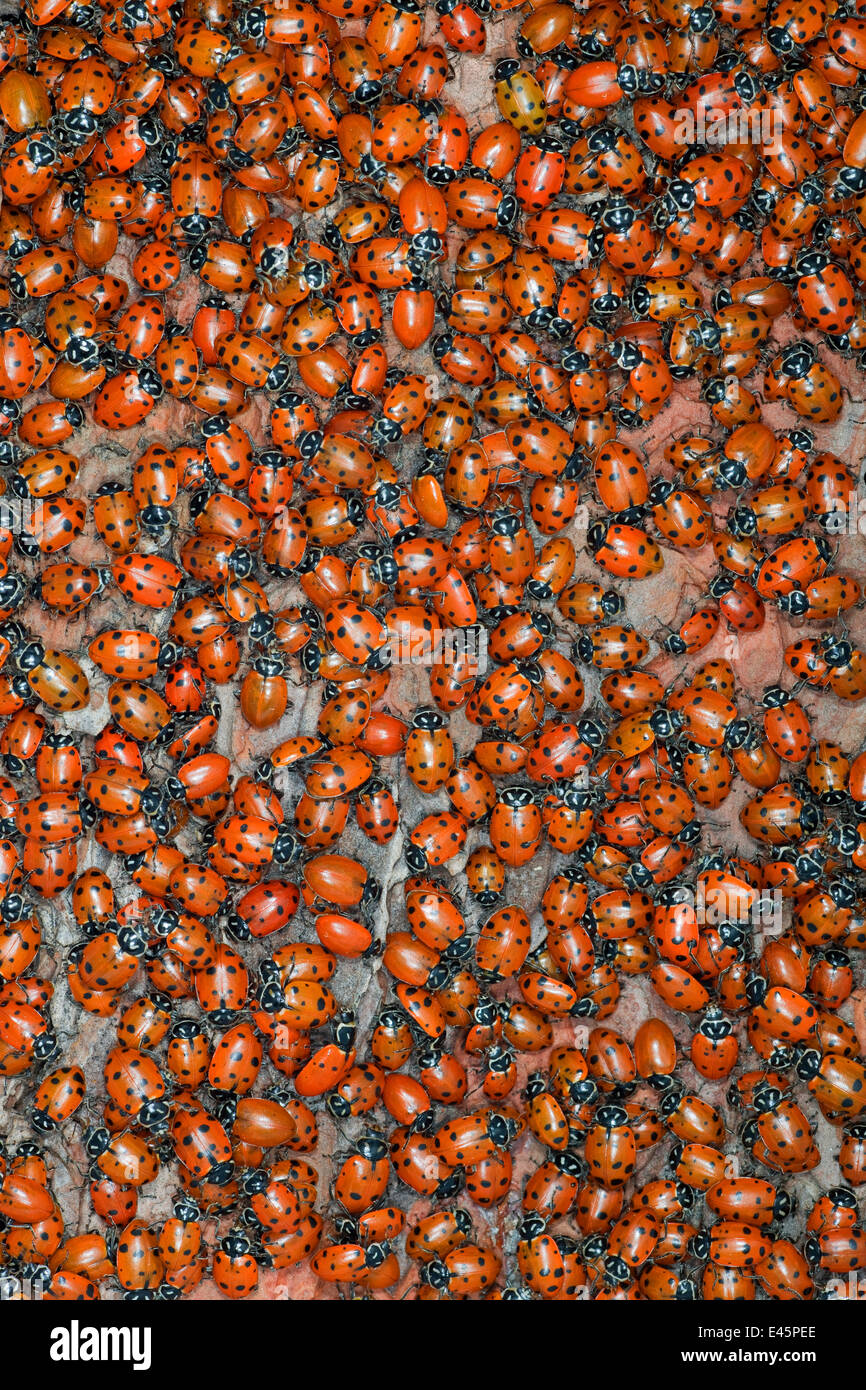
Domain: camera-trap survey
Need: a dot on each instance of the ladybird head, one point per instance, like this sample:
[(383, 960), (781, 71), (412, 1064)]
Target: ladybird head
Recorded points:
[(437, 1274), (45, 1046), (506, 213), (221, 1173), (372, 1147), (699, 1246), (795, 603), (154, 1115), (505, 69), (808, 1063), (30, 656), (766, 1098), (96, 1141), (132, 940)]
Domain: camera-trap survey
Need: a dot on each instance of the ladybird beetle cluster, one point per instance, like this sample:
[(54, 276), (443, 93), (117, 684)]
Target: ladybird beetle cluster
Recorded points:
[(325, 334)]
